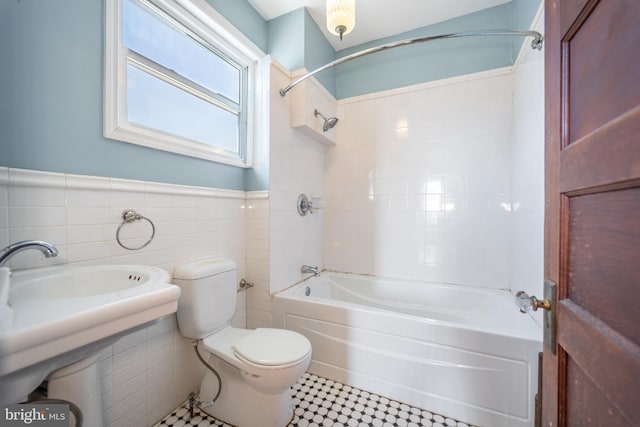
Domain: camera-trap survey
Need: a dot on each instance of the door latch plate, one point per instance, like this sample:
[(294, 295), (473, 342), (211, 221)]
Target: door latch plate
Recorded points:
[(549, 316)]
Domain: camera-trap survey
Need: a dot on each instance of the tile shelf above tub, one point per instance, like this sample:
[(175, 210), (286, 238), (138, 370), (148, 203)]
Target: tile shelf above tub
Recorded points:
[(305, 99)]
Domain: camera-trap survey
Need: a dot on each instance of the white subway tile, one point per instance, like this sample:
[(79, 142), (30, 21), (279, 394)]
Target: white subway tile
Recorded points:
[(130, 258), (88, 251), (87, 182), (159, 399), (33, 178), (128, 383), (107, 392), (85, 234), (159, 258), (92, 197), (127, 185), (129, 341), (160, 364), (155, 200), (450, 161), (24, 217), (160, 341), (163, 325), (4, 175), (55, 235), (82, 215), (129, 400), (105, 367), (121, 200), (36, 196), (129, 356), (107, 415), (163, 240)]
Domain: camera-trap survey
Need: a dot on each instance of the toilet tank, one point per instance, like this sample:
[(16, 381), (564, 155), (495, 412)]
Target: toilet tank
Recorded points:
[(208, 296)]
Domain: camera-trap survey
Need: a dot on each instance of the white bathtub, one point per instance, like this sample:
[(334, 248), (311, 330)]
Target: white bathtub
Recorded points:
[(459, 351)]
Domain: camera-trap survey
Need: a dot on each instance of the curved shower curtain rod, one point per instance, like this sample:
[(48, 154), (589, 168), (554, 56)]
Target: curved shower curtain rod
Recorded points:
[(536, 43)]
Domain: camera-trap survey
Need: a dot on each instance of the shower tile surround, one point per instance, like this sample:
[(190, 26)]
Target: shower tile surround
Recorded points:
[(296, 167), (418, 186), (149, 372)]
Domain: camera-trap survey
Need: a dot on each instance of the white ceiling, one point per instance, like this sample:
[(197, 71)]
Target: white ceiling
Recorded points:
[(376, 19)]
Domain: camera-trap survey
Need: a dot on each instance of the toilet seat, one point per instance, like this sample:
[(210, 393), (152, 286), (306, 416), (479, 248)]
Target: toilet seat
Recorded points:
[(268, 347), (258, 354)]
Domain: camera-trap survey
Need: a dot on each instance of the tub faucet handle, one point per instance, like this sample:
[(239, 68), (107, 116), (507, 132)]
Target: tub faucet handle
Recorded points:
[(310, 269)]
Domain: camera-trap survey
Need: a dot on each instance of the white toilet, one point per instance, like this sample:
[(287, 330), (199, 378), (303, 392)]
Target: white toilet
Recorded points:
[(257, 367)]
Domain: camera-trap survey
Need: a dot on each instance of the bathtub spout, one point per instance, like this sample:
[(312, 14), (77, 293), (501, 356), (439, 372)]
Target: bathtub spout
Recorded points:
[(309, 269)]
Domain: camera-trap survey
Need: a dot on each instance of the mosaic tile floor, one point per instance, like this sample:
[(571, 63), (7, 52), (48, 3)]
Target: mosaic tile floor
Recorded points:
[(321, 402)]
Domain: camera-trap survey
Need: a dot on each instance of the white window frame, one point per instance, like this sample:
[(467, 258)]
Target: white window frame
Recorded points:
[(206, 22)]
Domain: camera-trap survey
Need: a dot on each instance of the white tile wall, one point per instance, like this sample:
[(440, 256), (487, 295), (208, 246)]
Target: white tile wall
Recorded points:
[(296, 166), (258, 262), (418, 185), (145, 374), (527, 185)]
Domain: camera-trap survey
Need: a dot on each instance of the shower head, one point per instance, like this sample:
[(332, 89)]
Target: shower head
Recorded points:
[(329, 123)]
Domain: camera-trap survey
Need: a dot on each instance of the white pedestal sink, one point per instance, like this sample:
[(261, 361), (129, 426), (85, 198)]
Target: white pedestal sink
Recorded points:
[(62, 317)]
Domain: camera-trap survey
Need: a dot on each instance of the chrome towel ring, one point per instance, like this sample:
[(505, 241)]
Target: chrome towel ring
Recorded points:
[(130, 216)]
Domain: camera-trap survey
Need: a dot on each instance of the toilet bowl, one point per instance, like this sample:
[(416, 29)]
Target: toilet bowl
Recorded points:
[(257, 367), (255, 384)]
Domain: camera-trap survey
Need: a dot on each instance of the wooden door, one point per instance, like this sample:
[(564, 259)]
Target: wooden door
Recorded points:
[(592, 212)]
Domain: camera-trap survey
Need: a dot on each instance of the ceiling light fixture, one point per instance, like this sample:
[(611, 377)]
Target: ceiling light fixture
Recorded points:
[(341, 16)]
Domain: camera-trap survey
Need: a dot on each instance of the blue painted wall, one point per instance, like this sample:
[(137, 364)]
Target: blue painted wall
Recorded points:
[(317, 52), (295, 41), (406, 66), (51, 111), (286, 39), (524, 11), (51, 82), (245, 18), (425, 62)]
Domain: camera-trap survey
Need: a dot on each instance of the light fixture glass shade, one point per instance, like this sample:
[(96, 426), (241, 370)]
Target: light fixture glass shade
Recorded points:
[(341, 16)]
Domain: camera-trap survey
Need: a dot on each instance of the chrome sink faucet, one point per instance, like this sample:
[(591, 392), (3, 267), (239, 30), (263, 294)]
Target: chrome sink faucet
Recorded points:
[(310, 269), (46, 248)]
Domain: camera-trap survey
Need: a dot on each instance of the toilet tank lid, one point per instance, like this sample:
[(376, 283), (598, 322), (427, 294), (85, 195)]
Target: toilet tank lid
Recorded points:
[(203, 268)]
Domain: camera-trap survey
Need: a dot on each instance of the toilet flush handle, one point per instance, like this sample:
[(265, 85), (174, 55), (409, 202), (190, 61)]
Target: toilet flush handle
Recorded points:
[(244, 285)]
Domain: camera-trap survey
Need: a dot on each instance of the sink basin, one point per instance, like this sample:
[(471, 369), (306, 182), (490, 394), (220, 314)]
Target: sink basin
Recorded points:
[(84, 282), (63, 315)]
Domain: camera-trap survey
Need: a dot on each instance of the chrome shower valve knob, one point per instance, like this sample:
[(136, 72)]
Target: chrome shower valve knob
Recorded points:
[(304, 205)]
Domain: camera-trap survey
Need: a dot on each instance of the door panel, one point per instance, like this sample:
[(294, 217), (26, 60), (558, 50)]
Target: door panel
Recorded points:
[(604, 230), (600, 67), (586, 164), (592, 211), (582, 394), (607, 358)]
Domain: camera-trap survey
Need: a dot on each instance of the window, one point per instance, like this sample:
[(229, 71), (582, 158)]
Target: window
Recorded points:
[(173, 83)]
